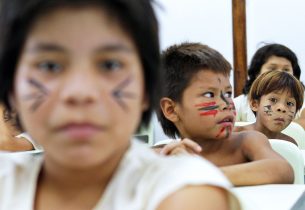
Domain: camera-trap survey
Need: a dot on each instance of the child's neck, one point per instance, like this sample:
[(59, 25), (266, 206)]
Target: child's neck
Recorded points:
[(267, 132), (209, 145)]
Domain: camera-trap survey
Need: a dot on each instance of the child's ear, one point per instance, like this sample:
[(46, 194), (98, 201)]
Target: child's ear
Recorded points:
[(254, 105), (168, 107)]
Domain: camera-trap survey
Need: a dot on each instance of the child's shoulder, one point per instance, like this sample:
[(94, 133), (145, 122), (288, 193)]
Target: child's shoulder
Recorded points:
[(249, 135), (287, 138), (239, 128)]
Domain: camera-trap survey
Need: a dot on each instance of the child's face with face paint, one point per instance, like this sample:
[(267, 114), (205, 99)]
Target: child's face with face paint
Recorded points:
[(275, 110), (206, 110), (79, 87)]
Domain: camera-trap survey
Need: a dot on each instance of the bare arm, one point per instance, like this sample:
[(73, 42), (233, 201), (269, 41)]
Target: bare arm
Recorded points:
[(16, 144), (265, 166), (197, 198), (8, 141)]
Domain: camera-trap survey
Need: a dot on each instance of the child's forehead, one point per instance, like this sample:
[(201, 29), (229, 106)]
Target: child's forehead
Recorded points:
[(210, 76), (284, 92)]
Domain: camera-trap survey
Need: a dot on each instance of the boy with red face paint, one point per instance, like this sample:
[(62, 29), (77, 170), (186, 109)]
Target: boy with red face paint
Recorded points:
[(275, 97), (197, 105)]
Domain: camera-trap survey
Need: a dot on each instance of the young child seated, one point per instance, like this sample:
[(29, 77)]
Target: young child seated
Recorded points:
[(275, 97), (82, 75), (197, 105)]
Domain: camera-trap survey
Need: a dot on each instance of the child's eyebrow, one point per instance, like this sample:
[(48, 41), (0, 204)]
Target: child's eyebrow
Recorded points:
[(114, 48), (214, 88), (45, 47), (207, 88), (50, 47)]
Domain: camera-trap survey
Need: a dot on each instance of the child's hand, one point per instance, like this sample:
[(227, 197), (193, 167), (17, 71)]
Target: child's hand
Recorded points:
[(185, 146)]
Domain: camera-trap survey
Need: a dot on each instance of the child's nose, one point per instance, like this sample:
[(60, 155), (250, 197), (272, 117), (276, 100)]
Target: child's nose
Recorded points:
[(225, 105), (281, 108), (79, 90)]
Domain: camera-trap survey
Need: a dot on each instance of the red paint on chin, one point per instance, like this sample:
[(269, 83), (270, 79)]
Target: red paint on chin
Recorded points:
[(211, 112), (205, 104), (222, 130)]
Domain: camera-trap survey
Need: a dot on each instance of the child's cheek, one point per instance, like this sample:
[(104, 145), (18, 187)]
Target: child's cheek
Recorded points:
[(207, 109), (268, 110), (36, 94)]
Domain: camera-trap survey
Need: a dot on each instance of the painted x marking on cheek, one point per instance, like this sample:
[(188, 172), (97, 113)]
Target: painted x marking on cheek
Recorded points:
[(119, 94), (268, 110), (207, 108), (39, 96), (224, 98), (291, 115)]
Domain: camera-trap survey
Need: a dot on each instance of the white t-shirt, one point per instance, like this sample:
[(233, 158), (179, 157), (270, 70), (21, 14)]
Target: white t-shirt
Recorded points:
[(142, 180), (244, 112)]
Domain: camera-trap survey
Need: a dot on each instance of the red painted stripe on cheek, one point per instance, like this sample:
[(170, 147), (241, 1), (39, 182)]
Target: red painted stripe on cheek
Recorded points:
[(211, 112), (205, 104)]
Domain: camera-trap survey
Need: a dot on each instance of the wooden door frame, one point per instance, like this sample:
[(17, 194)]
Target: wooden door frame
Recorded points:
[(239, 45)]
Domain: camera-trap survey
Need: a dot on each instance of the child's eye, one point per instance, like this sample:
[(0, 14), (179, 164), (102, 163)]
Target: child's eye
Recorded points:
[(110, 65), (228, 94), (208, 94), (273, 100), (49, 66), (289, 103)]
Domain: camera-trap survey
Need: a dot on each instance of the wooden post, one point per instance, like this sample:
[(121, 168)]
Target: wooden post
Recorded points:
[(239, 45)]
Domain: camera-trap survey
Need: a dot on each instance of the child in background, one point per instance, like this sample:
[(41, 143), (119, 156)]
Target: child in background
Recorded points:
[(270, 57), (275, 97), (197, 105), (82, 75)]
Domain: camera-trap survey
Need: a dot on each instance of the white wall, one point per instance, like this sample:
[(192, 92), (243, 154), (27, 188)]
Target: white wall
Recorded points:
[(210, 22), (281, 21), (206, 21)]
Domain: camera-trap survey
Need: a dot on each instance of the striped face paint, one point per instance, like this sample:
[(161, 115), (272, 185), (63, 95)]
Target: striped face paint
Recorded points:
[(38, 96), (291, 115), (232, 105), (120, 94), (227, 130), (268, 110), (206, 109)]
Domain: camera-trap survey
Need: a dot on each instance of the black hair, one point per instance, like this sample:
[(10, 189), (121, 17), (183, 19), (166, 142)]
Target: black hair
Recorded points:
[(261, 57), (136, 17), (179, 64)]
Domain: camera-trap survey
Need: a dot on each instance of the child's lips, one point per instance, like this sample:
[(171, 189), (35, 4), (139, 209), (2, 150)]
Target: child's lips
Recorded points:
[(227, 121), (281, 120), (80, 131)]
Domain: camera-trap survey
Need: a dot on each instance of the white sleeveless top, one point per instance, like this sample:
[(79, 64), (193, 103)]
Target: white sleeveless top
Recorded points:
[(142, 181)]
